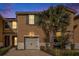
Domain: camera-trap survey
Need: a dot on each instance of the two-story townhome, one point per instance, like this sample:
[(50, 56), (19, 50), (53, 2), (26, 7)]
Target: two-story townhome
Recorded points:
[(30, 36), (8, 32)]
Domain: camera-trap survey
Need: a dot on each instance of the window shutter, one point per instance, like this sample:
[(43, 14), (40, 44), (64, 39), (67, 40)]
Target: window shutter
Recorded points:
[(27, 19), (36, 20)]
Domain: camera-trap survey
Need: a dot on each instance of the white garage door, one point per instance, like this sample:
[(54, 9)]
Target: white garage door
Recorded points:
[(32, 43)]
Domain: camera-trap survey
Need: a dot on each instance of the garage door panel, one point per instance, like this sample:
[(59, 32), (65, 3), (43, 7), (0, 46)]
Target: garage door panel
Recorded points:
[(32, 43)]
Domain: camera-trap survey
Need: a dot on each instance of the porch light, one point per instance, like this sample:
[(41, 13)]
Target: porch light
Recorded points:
[(58, 34), (31, 34)]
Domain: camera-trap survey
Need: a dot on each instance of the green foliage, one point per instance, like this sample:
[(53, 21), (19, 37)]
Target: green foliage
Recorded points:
[(61, 52), (59, 18), (4, 50), (55, 19), (72, 46), (71, 53)]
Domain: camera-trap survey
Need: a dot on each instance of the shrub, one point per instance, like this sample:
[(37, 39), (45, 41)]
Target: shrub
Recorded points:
[(71, 53), (72, 46), (4, 50), (61, 52)]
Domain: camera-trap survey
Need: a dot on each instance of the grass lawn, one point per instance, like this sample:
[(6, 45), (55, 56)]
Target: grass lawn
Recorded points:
[(4, 50)]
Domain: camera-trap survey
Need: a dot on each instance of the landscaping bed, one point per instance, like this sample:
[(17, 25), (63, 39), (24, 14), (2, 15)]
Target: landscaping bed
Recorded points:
[(3, 50), (61, 52), (71, 53)]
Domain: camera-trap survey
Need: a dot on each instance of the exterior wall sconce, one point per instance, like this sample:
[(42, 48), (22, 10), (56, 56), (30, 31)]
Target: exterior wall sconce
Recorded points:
[(31, 34)]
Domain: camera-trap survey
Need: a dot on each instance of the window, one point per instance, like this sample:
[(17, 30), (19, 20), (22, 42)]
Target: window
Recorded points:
[(58, 34), (31, 19), (14, 25), (6, 25)]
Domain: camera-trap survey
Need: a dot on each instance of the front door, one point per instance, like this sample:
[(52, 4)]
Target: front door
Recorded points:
[(7, 41), (14, 41), (31, 43)]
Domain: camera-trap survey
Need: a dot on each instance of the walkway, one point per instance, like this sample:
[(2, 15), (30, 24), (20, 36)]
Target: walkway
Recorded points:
[(14, 52)]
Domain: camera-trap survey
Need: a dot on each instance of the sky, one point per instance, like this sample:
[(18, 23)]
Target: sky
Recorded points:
[(8, 10)]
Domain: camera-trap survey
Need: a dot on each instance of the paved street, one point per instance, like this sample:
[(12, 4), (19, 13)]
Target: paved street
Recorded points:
[(14, 52)]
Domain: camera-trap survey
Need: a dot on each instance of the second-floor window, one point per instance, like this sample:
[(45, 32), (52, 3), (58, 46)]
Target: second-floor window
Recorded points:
[(14, 25), (31, 19), (6, 25)]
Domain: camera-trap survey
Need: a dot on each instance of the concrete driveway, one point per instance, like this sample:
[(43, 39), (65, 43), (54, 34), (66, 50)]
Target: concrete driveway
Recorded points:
[(14, 52)]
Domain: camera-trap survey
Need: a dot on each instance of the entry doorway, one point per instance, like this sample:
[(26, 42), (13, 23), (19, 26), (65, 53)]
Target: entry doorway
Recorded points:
[(14, 41), (7, 41)]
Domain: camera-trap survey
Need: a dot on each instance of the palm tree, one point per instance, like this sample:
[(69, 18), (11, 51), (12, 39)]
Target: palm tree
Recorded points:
[(59, 18), (53, 20), (45, 24)]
